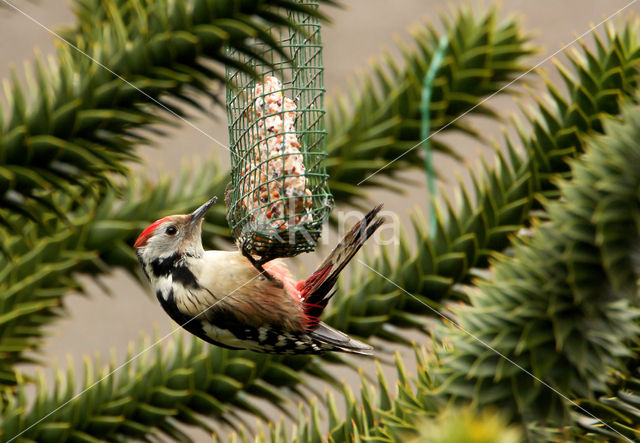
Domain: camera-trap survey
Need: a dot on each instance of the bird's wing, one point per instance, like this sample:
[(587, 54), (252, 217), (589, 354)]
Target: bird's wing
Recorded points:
[(228, 279)]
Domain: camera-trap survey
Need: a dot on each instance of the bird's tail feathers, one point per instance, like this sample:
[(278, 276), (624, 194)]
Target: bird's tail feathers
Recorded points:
[(326, 335), (316, 290)]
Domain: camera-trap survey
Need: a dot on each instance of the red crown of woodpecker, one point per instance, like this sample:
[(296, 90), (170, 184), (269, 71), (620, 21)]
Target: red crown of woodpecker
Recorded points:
[(148, 232)]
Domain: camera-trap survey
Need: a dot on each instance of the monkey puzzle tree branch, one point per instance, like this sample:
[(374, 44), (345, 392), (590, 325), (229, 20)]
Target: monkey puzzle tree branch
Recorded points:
[(566, 299), (405, 410), (564, 308), (35, 276), (166, 385), (117, 219), (131, 422), (465, 237), (377, 123), (619, 408), (108, 231), (379, 413), (80, 122)]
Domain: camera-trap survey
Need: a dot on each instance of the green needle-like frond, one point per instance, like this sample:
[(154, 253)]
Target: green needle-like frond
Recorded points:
[(112, 220), (380, 413), (37, 272), (80, 118), (405, 411), (564, 307), (161, 384), (34, 277), (500, 201), (377, 124), (620, 409)]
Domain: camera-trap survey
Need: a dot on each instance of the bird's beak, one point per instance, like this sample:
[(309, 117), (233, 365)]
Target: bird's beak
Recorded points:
[(199, 213)]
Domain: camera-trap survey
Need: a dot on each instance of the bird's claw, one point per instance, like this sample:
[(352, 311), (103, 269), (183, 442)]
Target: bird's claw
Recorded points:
[(258, 264)]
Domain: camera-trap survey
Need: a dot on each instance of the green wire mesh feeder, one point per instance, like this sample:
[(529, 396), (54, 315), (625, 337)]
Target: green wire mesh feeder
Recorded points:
[(278, 197)]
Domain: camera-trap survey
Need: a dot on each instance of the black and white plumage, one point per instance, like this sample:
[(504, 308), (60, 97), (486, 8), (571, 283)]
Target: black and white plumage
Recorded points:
[(220, 297)]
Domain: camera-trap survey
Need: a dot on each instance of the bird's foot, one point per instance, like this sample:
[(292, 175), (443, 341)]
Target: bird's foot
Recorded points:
[(258, 264)]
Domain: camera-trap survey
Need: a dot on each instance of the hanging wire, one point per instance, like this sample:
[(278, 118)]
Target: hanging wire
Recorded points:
[(427, 88)]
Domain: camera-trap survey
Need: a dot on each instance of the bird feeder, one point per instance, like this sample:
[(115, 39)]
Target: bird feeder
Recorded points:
[(278, 198)]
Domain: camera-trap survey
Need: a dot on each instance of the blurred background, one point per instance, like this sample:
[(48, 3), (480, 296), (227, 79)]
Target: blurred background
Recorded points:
[(360, 32)]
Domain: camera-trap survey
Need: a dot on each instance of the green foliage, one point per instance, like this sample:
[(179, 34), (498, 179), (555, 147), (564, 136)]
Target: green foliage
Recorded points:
[(500, 200), (32, 287), (620, 409), (380, 415), (182, 382), (378, 121), (407, 412), (107, 224), (81, 119), (564, 307), (467, 426)]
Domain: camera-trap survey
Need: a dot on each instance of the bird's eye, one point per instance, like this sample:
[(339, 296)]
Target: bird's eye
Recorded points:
[(171, 230)]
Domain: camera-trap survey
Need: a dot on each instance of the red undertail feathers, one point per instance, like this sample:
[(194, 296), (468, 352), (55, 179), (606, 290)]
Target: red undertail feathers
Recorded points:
[(316, 290)]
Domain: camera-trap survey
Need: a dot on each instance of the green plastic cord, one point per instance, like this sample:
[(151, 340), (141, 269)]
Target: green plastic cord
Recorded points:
[(427, 87)]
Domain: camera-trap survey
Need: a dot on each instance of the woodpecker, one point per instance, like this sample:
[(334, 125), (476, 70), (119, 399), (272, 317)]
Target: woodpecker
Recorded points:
[(224, 299)]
